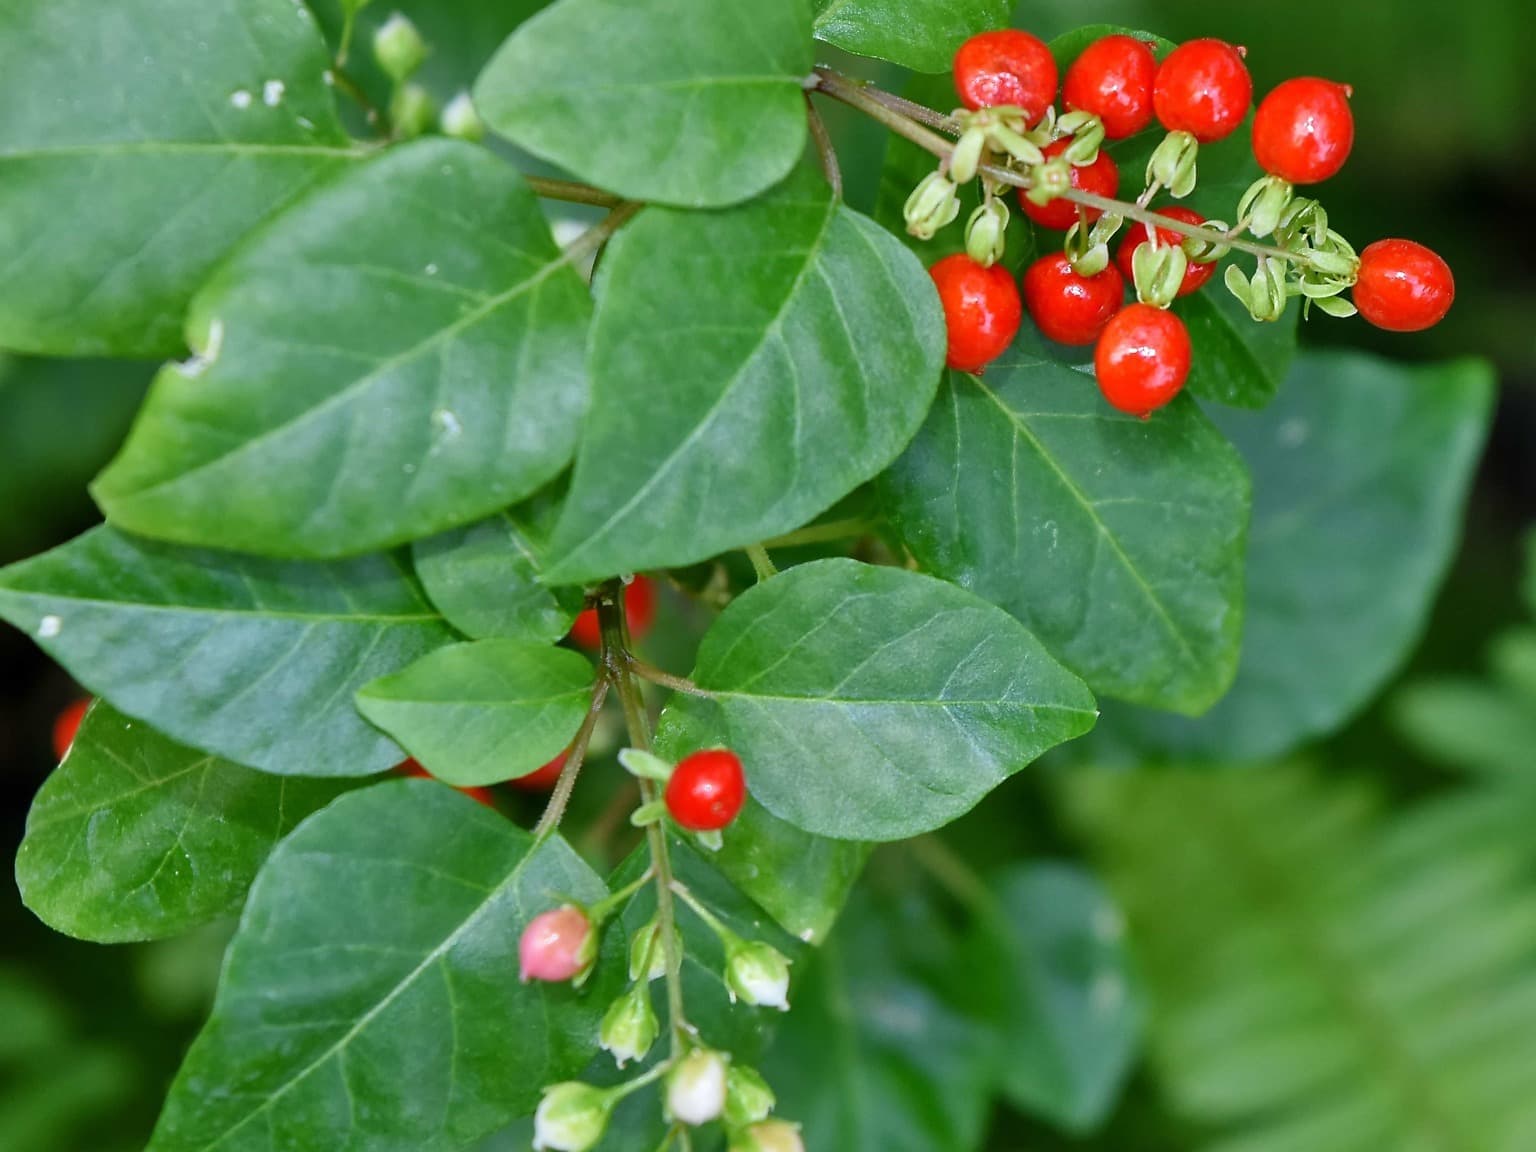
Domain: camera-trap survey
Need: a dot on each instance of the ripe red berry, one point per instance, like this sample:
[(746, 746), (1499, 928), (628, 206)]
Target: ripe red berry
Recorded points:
[(982, 310), (1195, 276), (1101, 178), (1403, 286), (66, 724), (1006, 67), (1202, 88), (639, 605), (412, 768), (1113, 80), (1142, 359), (1303, 130), (706, 790), (1069, 308), (541, 779)]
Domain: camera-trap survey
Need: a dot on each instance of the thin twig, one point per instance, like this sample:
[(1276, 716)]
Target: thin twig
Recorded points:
[(821, 533), (762, 563), (554, 811), (344, 82), (824, 148), (572, 192), (666, 680), (601, 232)]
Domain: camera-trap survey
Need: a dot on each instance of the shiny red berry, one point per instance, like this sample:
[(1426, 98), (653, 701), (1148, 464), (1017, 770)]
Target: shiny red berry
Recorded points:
[(1101, 178), (412, 768), (1403, 286), (541, 779), (1142, 359), (1006, 67), (1195, 276), (982, 310), (639, 605), (66, 725), (1202, 88), (1113, 80), (1303, 130), (706, 790), (1066, 307)]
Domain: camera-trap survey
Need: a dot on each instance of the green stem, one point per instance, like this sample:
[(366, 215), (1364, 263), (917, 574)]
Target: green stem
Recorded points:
[(666, 680), (561, 797), (762, 564), (954, 875), (653, 1074), (345, 83), (605, 907), (821, 533), (615, 658), (601, 232), (716, 925), (572, 192), (858, 95)]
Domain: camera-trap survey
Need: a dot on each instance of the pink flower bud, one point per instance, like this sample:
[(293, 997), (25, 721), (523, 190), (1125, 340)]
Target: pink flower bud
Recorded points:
[(557, 945)]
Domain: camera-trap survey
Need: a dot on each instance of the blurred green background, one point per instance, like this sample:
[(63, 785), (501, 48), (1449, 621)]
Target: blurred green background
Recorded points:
[(1445, 153)]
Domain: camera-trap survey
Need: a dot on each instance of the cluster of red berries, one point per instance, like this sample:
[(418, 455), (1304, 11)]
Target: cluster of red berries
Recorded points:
[(1200, 93)]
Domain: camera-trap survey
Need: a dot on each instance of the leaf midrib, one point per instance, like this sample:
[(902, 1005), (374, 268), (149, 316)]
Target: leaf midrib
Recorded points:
[(850, 702)]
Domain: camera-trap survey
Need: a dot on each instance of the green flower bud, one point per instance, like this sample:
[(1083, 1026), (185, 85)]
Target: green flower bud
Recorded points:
[(769, 1136), (461, 121), (748, 1098), (932, 205), (399, 48), (966, 157), (757, 973), (986, 233), (1159, 272), (629, 1026), (648, 952), (571, 1117), (1264, 204), (412, 111)]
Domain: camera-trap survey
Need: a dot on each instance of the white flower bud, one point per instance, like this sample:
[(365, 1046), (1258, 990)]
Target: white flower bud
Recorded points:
[(758, 974), (696, 1087), (769, 1136), (461, 121), (571, 1117)]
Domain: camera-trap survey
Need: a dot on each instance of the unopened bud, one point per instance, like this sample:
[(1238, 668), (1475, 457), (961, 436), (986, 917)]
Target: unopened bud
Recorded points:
[(748, 1098), (629, 1026), (1263, 205), (986, 233), (757, 973), (696, 1087), (1158, 272), (769, 1136), (399, 48), (966, 157), (557, 945), (933, 204), (412, 112), (571, 1117), (461, 121), (1049, 180), (648, 952), (1173, 164)]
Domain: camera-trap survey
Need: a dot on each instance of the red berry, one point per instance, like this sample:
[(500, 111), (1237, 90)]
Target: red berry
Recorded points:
[(1006, 67), (1142, 359), (706, 790), (1113, 80), (1101, 178), (982, 311), (412, 768), (639, 605), (1303, 130), (66, 724), (1202, 88), (1195, 276), (557, 945), (541, 779), (1068, 308), (1403, 286)]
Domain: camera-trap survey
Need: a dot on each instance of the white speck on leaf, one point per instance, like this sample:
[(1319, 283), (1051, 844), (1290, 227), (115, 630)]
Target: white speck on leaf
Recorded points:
[(198, 363), (448, 424), (431, 269), (1293, 433), (240, 98), (329, 77), (49, 626), (809, 935), (272, 93)]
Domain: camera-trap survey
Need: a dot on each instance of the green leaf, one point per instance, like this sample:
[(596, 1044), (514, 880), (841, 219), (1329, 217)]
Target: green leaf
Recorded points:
[(1528, 584), (874, 1055), (1056, 983), (687, 102), (483, 712), (370, 998), (1469, 725), (749, 369), (1326, 980), (801, 880), (485, 577), (1118, 541), (1361, 469), (922, 36), (136, 837), (921, 697), (399, 354), (254, 660), (138, 144)]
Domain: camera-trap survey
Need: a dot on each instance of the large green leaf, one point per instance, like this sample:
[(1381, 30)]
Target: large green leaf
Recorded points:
[(1361, 469), (398, 354), (799, 879), (255, 660), (485, 711), (1053, 977), (484, 577), (139, 141), (874, 703), (875, 1056), (749, 369), (687, 102), (137, 837), (922, 35), (370, 998), (1119, 541)]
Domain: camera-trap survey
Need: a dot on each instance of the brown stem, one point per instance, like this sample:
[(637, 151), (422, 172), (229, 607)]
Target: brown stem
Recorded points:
[(572, 192), (554, 811), (666, 680), (828, 153)]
